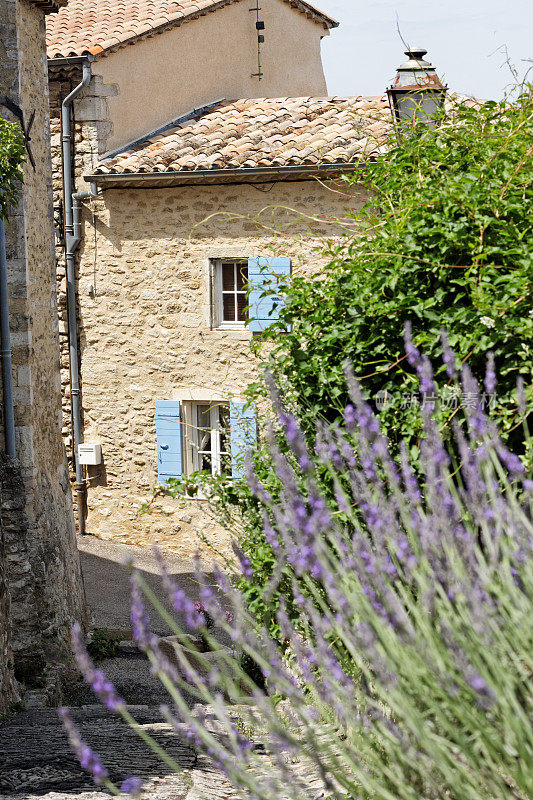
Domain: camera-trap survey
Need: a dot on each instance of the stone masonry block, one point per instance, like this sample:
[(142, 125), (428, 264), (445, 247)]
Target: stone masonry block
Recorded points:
[(24, 375), (91, 109)]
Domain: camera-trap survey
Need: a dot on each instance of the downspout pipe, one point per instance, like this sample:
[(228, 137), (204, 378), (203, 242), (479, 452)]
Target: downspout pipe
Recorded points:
[(72, 240), (7, 373)]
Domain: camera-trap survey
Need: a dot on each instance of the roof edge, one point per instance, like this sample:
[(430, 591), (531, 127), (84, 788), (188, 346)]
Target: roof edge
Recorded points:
[(195, 113), (49, 6), (214, 176)]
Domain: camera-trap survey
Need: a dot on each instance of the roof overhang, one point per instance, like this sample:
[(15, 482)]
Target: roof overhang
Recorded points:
[(221, 176), (49, 6)]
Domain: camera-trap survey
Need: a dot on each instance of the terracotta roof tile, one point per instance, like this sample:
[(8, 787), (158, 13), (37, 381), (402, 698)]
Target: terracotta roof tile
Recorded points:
[(94, 26), (254, 133)]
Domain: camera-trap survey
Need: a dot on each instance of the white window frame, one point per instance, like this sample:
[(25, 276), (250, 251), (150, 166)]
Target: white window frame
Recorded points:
[(217, 306), (191, 435)]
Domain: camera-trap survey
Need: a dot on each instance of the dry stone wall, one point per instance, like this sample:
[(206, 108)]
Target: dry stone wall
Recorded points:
[(41, 554), (90, 129), (144, 315), (145, 328)]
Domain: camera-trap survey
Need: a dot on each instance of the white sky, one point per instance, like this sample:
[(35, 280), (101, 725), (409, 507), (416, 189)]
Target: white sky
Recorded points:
[(463, 39)]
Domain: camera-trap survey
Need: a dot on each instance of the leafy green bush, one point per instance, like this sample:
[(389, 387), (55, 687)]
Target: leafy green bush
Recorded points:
[(102, 644), (12, 156), (446, 242)]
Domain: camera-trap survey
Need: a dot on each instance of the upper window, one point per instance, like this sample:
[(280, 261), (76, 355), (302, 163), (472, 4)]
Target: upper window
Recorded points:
[(248, 293), (230, 294)]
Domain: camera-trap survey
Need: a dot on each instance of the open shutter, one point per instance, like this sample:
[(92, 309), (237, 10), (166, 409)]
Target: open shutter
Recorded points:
[(168, 430), (243, 435), (264, 275)]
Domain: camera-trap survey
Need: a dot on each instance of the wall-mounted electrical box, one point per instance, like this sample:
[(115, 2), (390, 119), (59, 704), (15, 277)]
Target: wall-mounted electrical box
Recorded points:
[(90, 454)]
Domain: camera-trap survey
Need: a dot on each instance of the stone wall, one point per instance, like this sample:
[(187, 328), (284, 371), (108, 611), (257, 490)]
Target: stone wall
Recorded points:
[(145, 332), (144, 314), (42, 544), (89, 137), (8, 686)]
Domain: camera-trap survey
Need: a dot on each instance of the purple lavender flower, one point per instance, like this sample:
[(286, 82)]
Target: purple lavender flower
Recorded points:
[(425, 374), (448, 356), (296, 441), (412, 352), (88, 759), (142, 632), (511, 461), (132, 786), (490, 375), (179, 599), (350, 418), (95, 678), (521, 396), (245, 563)]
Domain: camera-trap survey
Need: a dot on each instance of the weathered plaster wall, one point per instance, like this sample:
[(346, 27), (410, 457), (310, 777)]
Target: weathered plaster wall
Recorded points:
[(43, 562), (162, 77), (145, 328)]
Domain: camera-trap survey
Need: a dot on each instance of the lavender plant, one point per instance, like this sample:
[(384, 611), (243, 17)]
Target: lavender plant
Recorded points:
[(409, 673)]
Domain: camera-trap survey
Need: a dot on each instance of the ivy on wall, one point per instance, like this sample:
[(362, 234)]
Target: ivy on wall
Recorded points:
[(12, 156)]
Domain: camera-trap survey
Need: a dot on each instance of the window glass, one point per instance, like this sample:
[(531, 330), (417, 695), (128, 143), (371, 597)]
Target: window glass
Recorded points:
[(225, 447), (204, 437), (234, 279), (208, 438), (228, 307), (228, 276)]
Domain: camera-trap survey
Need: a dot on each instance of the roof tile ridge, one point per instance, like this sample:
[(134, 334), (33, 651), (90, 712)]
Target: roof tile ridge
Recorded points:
[(179, 17)]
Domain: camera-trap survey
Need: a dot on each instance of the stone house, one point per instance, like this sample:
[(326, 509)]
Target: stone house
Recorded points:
[(208, 140), (41, 589)]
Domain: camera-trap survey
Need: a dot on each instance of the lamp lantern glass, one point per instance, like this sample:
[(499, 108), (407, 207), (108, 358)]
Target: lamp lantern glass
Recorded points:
[(417, 94)]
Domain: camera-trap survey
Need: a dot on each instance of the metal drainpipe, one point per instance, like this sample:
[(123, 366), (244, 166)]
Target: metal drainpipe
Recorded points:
[(7, 374), (72, 240)]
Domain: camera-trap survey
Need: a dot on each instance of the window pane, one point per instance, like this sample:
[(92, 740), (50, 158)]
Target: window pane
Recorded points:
[(205, 462), (204, 430), (204, 415), (225, 449), (228, 276), (228, 306), (224, 429), (225, 463), (242, 277), (242, 302)]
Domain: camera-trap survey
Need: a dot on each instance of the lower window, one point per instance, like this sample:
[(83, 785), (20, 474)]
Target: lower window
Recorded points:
[(206, 437)]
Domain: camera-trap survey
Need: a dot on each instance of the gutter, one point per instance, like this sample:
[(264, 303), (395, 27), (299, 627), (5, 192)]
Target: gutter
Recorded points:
[(69, 61), (72, 241), (219, 175), (7, 373)]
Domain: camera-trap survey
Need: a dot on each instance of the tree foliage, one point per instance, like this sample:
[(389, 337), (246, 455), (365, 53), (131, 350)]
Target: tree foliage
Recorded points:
[(446, 242), (12, 156)]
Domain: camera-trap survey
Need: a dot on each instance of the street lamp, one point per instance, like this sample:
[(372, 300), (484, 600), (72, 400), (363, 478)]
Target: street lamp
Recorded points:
[(417, 93)]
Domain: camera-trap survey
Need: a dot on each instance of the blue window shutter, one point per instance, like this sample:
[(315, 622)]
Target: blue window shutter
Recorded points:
[(243, 435), (168, 431), (264, 275)]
